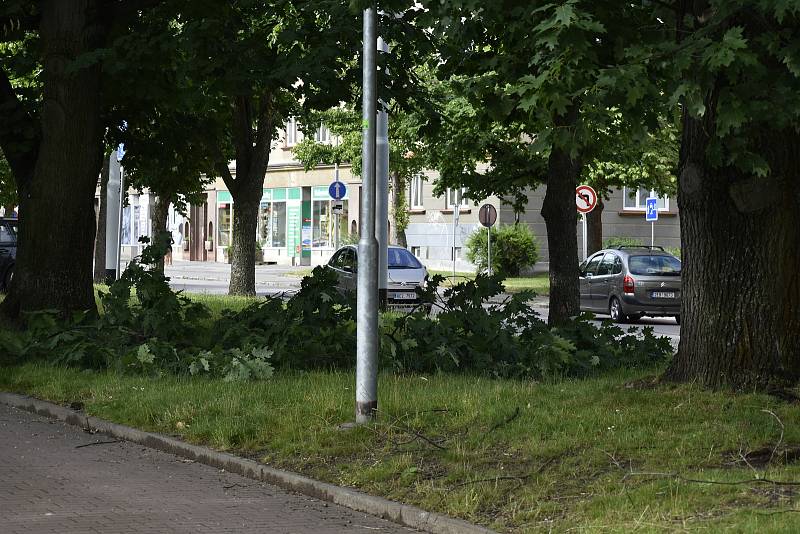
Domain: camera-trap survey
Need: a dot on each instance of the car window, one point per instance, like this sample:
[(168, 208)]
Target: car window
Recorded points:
[(347, 259), (655, 265), (607, 264), (336, 260), (400, 258), (591, 267), (617, 265), (7, 235)]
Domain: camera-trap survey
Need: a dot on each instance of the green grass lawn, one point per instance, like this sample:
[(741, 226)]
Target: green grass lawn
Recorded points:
[(591, 455)]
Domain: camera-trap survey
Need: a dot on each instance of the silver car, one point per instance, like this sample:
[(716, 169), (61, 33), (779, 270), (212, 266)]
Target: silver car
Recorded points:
[(406, 274), (629, 282)]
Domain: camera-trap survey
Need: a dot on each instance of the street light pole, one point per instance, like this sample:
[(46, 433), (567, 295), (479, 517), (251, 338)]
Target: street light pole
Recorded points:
[(382, 201), (367, 294)]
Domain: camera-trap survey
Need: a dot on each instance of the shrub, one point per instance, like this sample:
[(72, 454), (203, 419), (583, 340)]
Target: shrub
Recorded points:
[(617, 241), (513, 249)]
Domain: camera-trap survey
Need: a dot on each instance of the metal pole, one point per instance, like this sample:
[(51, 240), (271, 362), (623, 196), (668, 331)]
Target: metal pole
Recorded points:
[(367, 294), (336, 215), (382, 199), (489, 253), (652, 234), (583, 217), (455, 225), (119, 226)]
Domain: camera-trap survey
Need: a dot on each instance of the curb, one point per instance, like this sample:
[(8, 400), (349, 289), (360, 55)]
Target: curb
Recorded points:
[(403, 514)]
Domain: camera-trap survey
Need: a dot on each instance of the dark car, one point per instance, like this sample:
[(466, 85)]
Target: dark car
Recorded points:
[(406, 274), (629, 282), (8, 251)]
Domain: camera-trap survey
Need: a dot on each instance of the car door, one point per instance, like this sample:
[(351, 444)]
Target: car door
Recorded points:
[(601, 282), (585, 281)]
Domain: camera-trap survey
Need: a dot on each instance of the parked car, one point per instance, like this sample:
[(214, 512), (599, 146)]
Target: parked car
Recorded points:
[(406, 274), (8, 251), (628, 282)]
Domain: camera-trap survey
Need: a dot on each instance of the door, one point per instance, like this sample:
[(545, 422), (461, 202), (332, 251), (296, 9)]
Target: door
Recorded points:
[(585, 281), (601, 282)]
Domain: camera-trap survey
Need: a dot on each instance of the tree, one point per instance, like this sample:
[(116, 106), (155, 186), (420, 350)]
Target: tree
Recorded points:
[(550, 73), (53, 141), (406, 153), (735, 68)]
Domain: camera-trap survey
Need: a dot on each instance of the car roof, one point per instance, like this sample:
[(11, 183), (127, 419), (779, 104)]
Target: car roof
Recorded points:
[(638, 251)]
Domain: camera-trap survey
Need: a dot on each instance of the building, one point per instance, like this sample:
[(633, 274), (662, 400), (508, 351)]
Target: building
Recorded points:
[(297, 226)]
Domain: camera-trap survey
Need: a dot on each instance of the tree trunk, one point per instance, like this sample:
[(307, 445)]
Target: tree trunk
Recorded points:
[(102, 225), (54, 256), (399, 214), (160, 214), (740, 306), (594, 227), (559, 215), (243, 264)]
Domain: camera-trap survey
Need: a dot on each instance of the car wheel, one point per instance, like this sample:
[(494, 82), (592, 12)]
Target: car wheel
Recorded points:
[(678, 319), (615, 311), (635, 317)]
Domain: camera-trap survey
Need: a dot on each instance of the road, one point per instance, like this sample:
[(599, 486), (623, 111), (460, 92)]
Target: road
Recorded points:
[(57, 478)]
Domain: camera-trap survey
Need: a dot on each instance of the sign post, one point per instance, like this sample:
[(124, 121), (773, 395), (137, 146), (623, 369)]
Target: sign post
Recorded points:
[(487, 216), (585, 202), (456, 213), (651, 215)]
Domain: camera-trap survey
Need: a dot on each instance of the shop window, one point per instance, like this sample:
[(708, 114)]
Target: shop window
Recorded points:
[(224, 224)]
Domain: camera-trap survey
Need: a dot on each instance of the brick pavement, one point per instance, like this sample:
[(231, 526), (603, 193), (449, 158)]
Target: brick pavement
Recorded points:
[(51, 483)]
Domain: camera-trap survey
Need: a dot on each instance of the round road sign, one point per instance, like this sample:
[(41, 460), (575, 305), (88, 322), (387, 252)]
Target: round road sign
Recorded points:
[(487, 215), (337, 190), (585, 198)]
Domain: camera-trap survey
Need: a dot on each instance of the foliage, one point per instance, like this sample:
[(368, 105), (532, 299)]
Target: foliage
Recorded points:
[(8, 187), (514, 249), (617, 241), (508, 339)]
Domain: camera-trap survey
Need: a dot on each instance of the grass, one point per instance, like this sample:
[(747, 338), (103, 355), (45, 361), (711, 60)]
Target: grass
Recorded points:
[(590, 455)]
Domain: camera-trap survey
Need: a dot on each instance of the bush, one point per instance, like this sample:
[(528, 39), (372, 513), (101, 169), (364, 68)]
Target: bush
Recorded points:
[(618, 241), (513, 249)]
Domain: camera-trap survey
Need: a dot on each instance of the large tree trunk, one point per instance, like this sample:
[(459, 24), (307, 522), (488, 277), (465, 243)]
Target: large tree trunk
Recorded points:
[(399, 214), (160, 215), (740, 308), (559, 215), (243, 264), (102, 225), (594, 227), (54, 257)]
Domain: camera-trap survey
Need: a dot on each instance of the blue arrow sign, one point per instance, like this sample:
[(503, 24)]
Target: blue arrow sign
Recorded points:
[(337, 190), (652, 210)]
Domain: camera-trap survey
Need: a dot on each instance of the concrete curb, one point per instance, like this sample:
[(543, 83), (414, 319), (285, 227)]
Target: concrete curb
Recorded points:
[(403, 514)]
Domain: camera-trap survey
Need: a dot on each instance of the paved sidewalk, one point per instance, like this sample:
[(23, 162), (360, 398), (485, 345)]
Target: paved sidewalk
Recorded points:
[(54, 478)]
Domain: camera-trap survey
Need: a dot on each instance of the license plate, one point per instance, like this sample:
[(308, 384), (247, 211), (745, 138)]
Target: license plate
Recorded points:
[(663, 294), (404, 296)]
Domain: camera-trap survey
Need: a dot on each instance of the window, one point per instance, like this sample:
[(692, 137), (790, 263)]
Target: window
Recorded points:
[(591, 266), (322, 135), (224, 224), (416, 251), (617, 265), (456, 196), (415, 192), (6, 235), (607, 265), (655, 265), (291, 132), (637, 199)]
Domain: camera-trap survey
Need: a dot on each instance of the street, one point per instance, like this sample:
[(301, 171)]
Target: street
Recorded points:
[(59, 479)]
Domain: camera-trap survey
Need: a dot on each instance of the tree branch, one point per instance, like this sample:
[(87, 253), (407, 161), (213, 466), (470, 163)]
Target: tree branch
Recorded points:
[(264, 132), (17, 125)]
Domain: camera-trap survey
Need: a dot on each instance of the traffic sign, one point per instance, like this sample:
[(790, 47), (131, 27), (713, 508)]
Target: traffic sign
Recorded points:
[(487, 215), (652, 209), (337, 190), (585, 198), (338, 207)]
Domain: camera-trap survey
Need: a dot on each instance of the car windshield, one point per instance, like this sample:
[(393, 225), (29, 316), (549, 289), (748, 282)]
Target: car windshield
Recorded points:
[(400, 258), (655, 265)]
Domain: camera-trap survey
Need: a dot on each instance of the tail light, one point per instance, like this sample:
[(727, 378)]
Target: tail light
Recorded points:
[(628, 284)]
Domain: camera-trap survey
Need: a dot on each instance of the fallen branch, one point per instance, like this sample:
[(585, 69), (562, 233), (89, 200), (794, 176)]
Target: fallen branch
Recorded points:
[(501, 423), (682, 478)]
